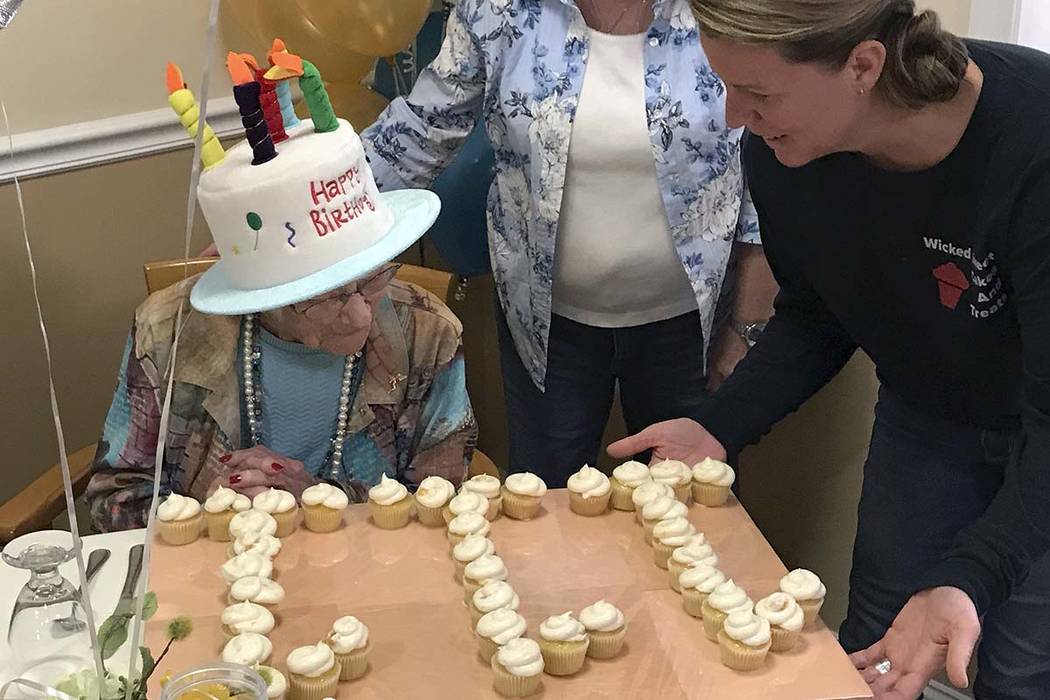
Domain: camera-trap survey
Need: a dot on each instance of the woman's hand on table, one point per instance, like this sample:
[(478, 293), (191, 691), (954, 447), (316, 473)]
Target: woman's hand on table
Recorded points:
[(727, 350), (682, 438), (937, 628), (259, 468)]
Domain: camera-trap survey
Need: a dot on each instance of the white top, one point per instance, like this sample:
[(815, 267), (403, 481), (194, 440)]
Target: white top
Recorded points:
[(615, 264)]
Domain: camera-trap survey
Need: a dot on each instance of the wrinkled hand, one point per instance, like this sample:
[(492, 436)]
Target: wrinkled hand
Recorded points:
[(682, 438), (937, 628), (727, 350), (259, 468)]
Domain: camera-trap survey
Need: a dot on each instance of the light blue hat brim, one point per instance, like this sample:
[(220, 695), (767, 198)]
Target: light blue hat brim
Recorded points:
[(414, 212)]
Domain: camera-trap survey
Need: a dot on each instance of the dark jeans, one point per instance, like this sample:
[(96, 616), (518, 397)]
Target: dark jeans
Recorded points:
[(926, 479), (659, 368)]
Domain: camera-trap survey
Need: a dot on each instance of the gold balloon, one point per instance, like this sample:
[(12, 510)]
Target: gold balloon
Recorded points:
[(357, 104), (370, 27)]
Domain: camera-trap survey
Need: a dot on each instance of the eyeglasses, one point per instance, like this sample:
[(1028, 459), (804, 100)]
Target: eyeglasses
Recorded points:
[(368, 287)]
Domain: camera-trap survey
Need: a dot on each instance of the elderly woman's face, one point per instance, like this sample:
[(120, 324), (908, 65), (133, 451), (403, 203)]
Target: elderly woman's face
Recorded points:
[(338, 321)]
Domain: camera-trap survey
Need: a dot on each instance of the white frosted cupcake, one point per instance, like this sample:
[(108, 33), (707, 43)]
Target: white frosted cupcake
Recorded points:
[(606, 627), (697, 549), (391, 504), (468, 549), (493, 595), (698, 581), (785, 619), (323, 507), (247, 649), (219, 509), (496, 628), (665, 507), (487, 567), (432, 496), (744, 641), (276, 683), (255, 543), (668, 535), (465, 502), (516, 668), (246, 564), (179, 520), (256, 590), (625, 479), (349, 640), (489, 487), (726, 598), (313, 672), (282, 506), (246, 617), (466, 524), (522, 494), (711, 482), (646, 494), (675, 474), (589, 492), (252, 521), (563, 642), (805, 587)]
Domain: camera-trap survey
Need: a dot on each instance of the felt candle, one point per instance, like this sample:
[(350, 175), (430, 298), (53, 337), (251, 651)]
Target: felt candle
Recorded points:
[(267, 101), (184, 104), (283, 90), (246, 91)]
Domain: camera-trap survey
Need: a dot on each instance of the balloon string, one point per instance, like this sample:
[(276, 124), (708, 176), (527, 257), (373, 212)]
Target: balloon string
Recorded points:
[(63, 457)]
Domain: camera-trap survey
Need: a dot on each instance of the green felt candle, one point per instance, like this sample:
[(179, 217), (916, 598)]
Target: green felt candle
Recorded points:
[(317, 99)]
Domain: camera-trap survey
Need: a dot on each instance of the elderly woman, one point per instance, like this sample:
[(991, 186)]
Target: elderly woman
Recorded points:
[(388, 349)]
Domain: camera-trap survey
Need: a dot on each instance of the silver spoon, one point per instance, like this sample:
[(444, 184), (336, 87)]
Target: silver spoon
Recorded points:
[(95, 561)]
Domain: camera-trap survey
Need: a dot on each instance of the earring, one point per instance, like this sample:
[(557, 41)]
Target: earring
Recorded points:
[(861, 91)]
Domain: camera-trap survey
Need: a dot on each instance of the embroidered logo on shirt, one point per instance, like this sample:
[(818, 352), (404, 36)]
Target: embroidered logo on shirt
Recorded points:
[(953, 282)]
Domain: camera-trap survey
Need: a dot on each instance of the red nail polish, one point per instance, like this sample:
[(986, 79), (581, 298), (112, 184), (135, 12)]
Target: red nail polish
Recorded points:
[(225, 458), (235, 479), (277, 466)]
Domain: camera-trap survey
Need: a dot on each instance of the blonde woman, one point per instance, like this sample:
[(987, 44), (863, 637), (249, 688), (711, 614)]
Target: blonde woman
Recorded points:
[(902, 181)]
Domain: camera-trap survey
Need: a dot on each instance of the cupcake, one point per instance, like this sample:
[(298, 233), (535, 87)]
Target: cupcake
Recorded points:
[(247, 649), (697, 582), (517, 666), (323, 506), (179, 520), (493, 595), (489, 487), (675, 474), (467, 524), (563, 643), (496, 628), (625, 479), (744, 641), (391, 504), (589, 492), (313, 672), (219, 509), (669, 535), (485, 568), (521, 495), (465, 502), (697, 549), (785, 619), (349, 640), (255, 543), (432, 496), (647, 493), (246, 564), (276, 683), (663, 507), (711, 482), (606, 628), (727, 597), (282, 506), (805, 587), (468, 549), (252, 521), (246, 617), (256, 590)]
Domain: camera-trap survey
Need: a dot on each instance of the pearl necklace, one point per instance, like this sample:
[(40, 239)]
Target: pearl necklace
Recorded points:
[(253, 404)]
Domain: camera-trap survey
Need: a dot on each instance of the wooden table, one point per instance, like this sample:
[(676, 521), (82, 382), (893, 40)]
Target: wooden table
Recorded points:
[(400, 583)]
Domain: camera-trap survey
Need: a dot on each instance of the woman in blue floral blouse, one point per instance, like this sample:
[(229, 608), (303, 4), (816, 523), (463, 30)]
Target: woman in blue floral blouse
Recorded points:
[(617, 202)]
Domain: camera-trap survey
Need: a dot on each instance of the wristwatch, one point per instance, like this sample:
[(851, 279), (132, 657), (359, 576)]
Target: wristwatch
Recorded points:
[(750, 332)]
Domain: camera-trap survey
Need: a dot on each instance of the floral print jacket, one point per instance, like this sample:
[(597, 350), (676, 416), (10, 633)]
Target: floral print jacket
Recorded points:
[(519, 65)]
